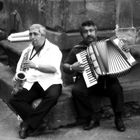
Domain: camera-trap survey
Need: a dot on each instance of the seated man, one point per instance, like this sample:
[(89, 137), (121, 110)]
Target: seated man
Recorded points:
[(87, 101), (40, 65)]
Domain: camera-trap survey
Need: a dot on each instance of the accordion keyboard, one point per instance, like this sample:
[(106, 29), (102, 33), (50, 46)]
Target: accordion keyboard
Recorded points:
[(87, 73)]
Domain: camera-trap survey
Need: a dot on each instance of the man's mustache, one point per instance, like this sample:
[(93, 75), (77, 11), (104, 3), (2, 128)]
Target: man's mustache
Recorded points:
[(90, 37)]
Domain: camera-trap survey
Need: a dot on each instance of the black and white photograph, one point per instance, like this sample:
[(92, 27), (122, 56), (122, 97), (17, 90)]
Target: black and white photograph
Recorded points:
[(70, 69)]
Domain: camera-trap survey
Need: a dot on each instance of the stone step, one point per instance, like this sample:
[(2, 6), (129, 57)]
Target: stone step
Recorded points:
[(6, 76), (3, 56), (4, 59)]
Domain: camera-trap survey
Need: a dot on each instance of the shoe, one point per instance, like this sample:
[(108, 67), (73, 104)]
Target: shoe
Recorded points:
[(23, 132), (21, 124), (120, 125), (92, 124)]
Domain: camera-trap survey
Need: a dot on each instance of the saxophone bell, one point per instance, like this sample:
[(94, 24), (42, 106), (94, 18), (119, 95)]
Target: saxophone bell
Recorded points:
[(20, 76)]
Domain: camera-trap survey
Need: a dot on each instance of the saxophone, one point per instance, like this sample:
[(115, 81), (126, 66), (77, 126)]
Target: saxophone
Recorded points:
[(20, 77)]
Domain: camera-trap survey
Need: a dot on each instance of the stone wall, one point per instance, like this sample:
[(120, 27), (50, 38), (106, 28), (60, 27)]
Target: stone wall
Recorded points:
[(61, 15), (64, 14)]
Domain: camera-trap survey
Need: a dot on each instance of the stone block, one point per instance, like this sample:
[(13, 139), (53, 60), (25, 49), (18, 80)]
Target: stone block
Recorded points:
[(5, 82)]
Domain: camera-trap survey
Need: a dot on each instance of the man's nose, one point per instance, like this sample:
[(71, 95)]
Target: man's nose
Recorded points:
[(89, 33), (31, 36)]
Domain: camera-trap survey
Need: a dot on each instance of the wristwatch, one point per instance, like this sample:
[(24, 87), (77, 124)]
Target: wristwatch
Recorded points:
[(36, 66), (71, 68)]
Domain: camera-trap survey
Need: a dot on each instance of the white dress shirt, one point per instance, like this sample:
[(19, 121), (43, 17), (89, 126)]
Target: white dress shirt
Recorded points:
[(49, 55)]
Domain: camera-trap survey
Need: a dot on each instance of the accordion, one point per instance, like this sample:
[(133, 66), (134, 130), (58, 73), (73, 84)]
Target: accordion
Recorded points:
[(105, 57)]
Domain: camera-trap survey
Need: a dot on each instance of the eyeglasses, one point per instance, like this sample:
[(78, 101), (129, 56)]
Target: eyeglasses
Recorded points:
[(88, 30), (33, 33)]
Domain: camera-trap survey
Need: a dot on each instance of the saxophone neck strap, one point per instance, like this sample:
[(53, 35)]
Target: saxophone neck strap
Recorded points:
[(37, 52)]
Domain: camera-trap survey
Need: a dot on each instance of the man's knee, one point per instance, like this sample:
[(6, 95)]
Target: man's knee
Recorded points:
[(54, 91), (12, 104), (76, 92), (11, 101), (55, 95)]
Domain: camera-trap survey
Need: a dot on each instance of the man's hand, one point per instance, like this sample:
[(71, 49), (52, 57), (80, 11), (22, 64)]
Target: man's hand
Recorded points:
[(126, 48), (79, 67), (29, 64), (17, 86)]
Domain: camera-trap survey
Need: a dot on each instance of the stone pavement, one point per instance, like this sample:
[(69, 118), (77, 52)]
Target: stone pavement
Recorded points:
[(9, 129)]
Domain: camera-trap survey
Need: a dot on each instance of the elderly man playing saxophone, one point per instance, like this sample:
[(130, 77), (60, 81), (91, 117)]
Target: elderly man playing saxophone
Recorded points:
[(40, 65)]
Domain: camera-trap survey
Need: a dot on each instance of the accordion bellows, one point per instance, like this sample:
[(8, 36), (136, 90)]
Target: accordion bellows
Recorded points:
[(105, 58)]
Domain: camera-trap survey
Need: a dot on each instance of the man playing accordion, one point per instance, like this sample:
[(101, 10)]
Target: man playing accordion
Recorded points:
[(87, 100)]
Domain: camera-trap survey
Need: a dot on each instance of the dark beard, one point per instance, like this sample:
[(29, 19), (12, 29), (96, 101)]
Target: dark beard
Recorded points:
[(89, 40)]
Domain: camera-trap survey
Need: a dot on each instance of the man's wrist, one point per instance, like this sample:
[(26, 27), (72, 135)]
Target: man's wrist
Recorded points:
[(71, 69), (36, 66)]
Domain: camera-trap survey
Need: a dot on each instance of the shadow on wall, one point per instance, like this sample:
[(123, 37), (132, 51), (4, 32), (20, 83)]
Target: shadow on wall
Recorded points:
[(2, 32), (15, 22), (1, 5)]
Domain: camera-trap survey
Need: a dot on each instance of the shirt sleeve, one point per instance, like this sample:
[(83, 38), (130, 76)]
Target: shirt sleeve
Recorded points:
[(71, 58)]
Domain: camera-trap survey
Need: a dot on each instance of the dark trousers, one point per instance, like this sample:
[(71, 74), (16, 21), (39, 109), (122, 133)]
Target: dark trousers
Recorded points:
[(87, 101), (22, 103)]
